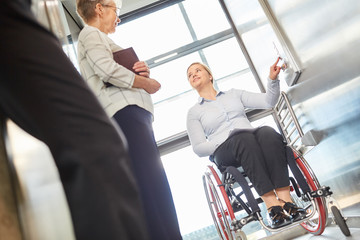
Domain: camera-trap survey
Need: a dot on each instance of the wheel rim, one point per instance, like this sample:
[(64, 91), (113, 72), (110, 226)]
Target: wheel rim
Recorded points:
[(315, 225), (221, 213)]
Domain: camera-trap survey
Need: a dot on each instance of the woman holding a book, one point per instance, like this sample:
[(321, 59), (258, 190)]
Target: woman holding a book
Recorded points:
[(125, 96)]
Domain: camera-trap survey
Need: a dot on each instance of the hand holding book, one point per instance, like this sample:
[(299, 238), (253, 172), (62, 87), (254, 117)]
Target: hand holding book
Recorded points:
[(128, 58), (142, 69)]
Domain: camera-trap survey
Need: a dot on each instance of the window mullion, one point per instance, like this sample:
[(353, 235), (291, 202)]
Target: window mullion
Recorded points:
[(190, 48)]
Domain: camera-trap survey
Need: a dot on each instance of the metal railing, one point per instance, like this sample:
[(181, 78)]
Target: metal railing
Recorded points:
[(288, 121)]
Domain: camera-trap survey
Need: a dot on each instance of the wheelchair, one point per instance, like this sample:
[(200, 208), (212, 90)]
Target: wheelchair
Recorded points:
[(230, 192)]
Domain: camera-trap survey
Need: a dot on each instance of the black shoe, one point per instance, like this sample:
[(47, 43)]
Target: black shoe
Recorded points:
[(295, 212), (278, 217)]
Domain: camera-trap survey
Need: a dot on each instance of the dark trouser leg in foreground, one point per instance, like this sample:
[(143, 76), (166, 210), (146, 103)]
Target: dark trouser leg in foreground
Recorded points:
[(41, 91)]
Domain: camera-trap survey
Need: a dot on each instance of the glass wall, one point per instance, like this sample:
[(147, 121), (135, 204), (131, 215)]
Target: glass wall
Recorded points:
[(170, 40), (190, 33)]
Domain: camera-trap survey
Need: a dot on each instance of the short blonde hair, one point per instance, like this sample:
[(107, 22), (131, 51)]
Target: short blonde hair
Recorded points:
[(86, 8), (204, 66)]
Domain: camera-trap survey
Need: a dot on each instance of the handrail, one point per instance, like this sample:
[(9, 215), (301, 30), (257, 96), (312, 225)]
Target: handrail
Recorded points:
[(284, 111)]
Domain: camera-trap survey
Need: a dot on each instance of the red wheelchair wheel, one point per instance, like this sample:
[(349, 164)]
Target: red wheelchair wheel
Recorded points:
[(316, 225), (219, 204)]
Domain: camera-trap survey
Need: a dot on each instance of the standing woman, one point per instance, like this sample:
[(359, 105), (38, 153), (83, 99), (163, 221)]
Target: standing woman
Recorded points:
[(218, 127), (126, 98)]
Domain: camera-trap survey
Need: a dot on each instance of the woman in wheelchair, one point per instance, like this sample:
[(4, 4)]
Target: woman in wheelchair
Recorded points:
[(218, 127)]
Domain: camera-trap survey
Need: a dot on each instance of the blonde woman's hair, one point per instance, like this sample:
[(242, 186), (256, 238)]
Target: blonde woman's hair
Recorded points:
[(86, 8), (204, 66)]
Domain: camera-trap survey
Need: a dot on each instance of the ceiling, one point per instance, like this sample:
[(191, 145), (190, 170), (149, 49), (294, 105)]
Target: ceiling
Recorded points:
[(130, 9), (132, 5)]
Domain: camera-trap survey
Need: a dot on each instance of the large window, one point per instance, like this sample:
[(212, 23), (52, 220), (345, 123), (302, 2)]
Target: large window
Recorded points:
[(185, 33), (170, 40)]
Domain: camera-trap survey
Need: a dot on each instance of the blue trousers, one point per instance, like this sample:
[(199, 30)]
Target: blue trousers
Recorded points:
[(136, 123)]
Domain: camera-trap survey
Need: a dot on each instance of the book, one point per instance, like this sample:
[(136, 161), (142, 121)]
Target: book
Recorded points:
[(126, 58)]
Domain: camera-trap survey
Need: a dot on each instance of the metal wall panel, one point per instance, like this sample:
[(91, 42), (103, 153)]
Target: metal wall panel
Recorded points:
[(326, 38)]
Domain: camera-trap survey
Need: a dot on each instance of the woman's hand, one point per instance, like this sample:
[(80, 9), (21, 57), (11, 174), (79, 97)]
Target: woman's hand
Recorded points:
[(148, 84), (142, 69), (274, 70), (152, 86)]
